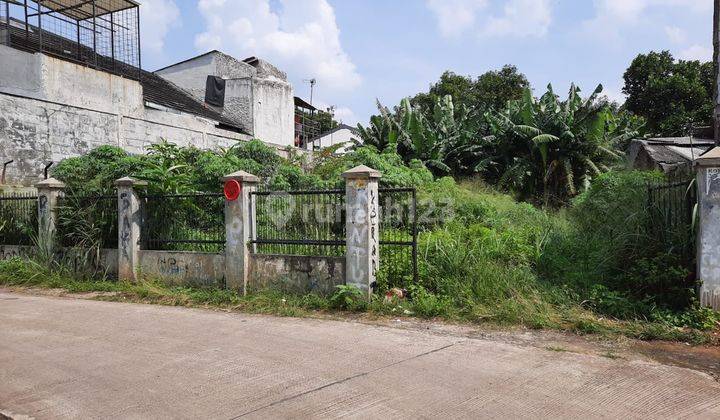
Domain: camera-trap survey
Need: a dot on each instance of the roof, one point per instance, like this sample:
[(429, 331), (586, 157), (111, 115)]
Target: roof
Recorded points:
[(679, 141), (671, 151), (81, 10), (299, 102), (335, 130), (155, 88)]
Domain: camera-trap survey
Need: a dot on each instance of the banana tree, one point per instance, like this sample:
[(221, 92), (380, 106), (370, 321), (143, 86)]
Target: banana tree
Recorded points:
[(550, 148)]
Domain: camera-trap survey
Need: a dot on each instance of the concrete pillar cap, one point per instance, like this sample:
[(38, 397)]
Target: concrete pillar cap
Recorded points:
[(709, 158), (129, 182), (242, 177), (362, 171), (50, 184)]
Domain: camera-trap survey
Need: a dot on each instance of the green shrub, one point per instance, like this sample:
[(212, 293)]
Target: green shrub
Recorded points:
[(348, 298)]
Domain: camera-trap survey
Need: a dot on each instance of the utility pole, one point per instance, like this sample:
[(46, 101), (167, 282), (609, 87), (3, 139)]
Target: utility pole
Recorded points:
[(312, 83), (716, 66)]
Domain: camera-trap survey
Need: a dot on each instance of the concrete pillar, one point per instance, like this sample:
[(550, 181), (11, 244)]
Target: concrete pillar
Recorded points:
[(708, 235), (49, 191), (239, 230), (129, 222), (362, 227)]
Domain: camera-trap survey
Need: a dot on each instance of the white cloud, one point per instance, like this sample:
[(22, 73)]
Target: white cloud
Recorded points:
[(455, 16), (157, 17), (342, 114), (301, 38), (675, 34), (521, 18), (518, 18), (614, 95), (611, 16), (696, 52), (346, 115)]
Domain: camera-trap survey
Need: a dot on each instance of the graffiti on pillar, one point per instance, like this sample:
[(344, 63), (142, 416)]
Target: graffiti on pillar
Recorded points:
[(357, 230), (374, 240), (363, 232), (712, 177), (125, 225)]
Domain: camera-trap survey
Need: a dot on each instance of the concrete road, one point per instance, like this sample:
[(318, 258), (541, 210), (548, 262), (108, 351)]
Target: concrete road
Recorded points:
[(72, 358)]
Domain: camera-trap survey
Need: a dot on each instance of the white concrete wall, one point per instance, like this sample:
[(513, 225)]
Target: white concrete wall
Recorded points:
[(341, 136), (34, 131), (191, 75), (43, 77), (260, 99), (273, 111)]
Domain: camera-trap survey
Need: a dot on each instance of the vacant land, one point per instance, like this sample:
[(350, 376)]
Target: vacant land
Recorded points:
[(68, 357)]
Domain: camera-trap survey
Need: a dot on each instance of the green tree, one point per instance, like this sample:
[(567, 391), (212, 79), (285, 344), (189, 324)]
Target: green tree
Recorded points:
[(491, 90), (326, 120), (669, 94)]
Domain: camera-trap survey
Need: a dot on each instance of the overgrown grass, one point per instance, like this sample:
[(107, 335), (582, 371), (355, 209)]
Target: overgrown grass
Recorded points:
[(483, 256), (519, 310)]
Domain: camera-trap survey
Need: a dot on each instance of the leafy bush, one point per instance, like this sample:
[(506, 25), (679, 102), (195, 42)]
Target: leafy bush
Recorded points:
[(348, 298)]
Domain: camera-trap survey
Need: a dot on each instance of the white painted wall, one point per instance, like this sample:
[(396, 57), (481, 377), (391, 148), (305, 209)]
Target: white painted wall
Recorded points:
[(263, 102), (43, 77), (343, 135), (273, 111)]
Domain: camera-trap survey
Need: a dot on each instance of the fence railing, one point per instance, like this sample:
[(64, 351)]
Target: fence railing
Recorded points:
[(183, 222), (299, 222), (18, 218), (671, 210), (398, 237), (87, 221)]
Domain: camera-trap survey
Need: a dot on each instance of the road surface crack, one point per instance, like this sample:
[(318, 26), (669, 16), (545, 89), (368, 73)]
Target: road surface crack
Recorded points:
[(349, 378)]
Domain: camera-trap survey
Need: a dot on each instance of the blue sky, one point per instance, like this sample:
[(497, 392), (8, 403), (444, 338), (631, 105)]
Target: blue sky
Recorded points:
[(360, 50)]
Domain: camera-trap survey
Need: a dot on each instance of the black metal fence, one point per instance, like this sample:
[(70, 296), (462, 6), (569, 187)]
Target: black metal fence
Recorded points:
[(184, 222), (671, 210), (299, 222), (398, 237), (18, 219), (87, 221)]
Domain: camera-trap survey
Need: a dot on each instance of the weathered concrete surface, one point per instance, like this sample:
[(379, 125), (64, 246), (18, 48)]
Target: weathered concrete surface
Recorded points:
[(296, 273), (257, 94), (708, 236), (65, 358), (184, 268)]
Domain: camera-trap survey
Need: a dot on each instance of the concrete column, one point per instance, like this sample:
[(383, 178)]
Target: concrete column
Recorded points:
[(129, 222), (708, 235), (239, 230), (49, 191), (362, 227)]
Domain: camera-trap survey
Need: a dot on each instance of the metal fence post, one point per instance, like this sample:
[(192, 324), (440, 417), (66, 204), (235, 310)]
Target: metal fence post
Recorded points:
[(129, 224), (362, 256), (238, 231), (49, 190)]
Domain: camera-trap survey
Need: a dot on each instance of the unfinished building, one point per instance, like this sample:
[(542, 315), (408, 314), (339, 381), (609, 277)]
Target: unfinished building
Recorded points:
[(71, 80)]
